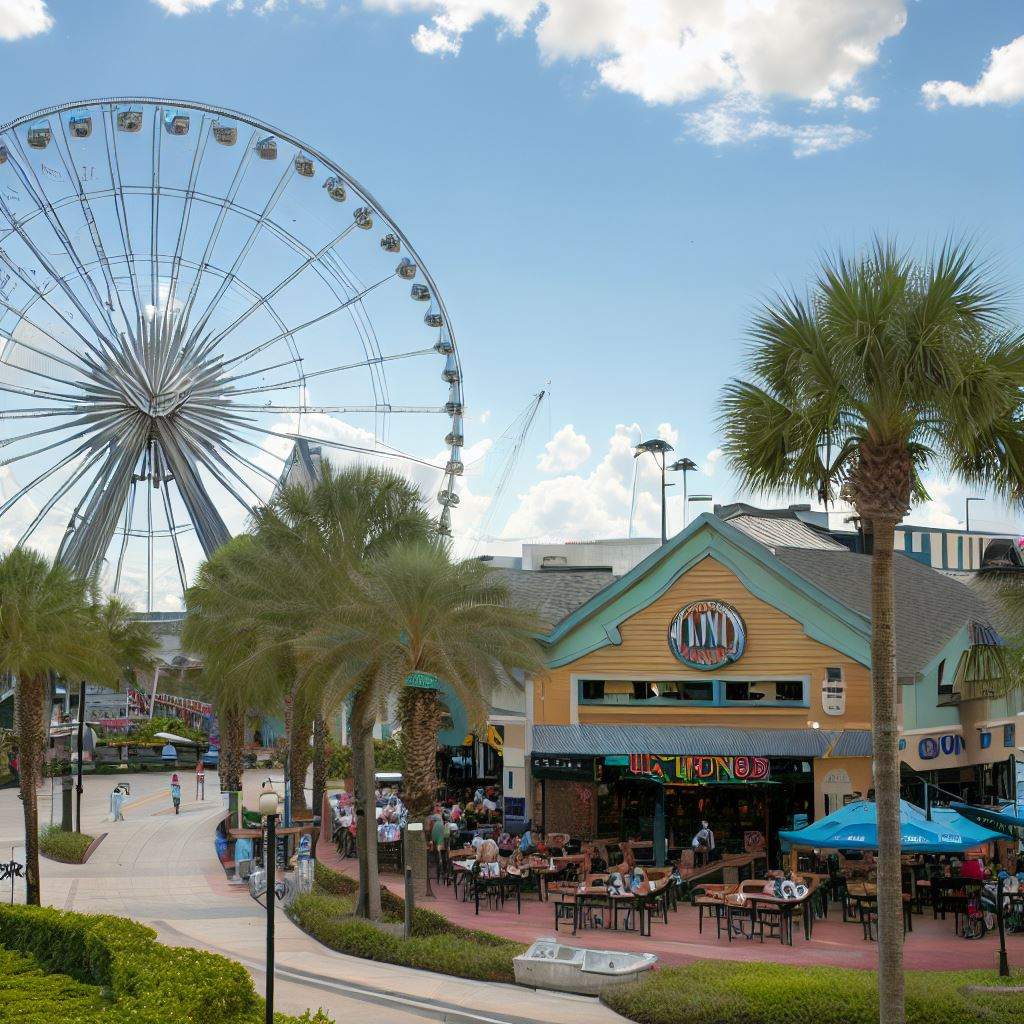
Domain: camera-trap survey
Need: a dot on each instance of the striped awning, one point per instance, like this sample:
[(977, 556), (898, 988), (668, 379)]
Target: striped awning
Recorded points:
[(672, 740)]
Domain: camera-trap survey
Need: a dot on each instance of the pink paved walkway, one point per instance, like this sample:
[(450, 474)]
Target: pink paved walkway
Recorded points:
[(931, 946)]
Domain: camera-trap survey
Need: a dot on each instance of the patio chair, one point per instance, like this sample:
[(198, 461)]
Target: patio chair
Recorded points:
[(868, 907)]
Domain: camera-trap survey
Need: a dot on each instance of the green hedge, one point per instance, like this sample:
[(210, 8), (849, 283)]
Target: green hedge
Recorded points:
[(25, 987), (148, 983), (435, 945), (724, 992), (68, 847)]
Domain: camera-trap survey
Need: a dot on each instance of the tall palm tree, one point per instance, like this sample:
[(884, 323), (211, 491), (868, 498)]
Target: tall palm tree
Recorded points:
[(133, 644), (235, 682), (47, 624), (889, 366), (414, 610)]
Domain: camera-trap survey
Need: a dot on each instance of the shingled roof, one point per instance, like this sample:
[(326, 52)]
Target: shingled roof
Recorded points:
[(930, 607), (552, 595)]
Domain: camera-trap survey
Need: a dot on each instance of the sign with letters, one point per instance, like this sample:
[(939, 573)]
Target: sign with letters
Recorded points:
[(707, 635), (700, 769)]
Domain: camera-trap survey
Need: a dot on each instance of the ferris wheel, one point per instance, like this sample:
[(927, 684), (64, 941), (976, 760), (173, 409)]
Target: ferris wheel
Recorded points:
[(188, 296)]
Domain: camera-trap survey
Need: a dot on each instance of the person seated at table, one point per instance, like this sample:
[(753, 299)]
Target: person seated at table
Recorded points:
[(526, 842)]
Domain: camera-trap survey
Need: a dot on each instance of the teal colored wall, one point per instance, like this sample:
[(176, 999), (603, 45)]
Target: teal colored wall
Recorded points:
[(920, 701)]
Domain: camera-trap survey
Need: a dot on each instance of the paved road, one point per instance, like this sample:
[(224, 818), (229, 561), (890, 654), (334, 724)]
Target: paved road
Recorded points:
[(162, 869)]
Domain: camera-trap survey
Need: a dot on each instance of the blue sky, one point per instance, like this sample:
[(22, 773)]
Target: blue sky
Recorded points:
[(601, 206)]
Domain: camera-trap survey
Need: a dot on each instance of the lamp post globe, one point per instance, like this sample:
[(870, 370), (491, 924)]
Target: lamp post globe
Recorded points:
[(659, 448)]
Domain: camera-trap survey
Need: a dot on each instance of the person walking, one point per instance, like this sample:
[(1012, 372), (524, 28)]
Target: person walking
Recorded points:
[(175, 792)]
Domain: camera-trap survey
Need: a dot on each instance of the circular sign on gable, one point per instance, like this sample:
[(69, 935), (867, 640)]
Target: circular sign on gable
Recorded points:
[(707, 635)]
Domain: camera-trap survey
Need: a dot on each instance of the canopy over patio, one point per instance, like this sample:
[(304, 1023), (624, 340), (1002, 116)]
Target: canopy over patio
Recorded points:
[(855, 827), (1007, 818)]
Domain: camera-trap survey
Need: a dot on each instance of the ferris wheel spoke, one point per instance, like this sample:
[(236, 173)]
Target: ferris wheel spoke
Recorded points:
[(59, 493), (225, 204), (176, 263), (92, 525), (5, 442), (283, 283), (299, 381), (91, 429), (50, 396), (121, 210), (90, 219), (129, 510), (246, 248), (154, 212), (341, 409), (390, 453), (87, 371), (23, 276), (173, 530), (46, 474), (37, 194), (291, 332)]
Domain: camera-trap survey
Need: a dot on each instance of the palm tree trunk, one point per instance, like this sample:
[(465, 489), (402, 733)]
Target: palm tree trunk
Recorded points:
[(368, 902), (319, 770), (232, 741), (885, 727), (421, 714), (299, 757), (31, 741)]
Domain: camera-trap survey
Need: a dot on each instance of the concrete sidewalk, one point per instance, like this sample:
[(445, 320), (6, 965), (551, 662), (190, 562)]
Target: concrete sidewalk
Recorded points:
[(162, 869)]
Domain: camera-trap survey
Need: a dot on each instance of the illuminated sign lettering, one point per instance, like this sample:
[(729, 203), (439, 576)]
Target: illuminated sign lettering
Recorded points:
[(707, 635), (700, 769)]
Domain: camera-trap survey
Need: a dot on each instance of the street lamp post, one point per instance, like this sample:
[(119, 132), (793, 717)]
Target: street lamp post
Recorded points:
[(683, 466), (268, 811), (659, 449), (967, 513)]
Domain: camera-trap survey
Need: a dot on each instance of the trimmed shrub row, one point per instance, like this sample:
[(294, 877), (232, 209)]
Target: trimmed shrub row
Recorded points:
[(68, 847), (724, 992), (25, 989), (148, 983), (436, 944)]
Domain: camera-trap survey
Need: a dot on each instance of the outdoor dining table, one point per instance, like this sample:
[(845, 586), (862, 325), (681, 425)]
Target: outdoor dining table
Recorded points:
[(642, 901), (750, 909)]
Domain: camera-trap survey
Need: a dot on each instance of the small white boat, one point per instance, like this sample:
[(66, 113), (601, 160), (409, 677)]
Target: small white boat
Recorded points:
[(550, 964)]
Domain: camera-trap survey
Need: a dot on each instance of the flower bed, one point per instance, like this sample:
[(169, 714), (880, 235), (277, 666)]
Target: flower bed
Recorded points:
[(146, 983), (435, 945), (723, 992)]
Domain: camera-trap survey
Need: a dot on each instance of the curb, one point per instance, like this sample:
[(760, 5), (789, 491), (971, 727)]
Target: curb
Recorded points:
[(92, 846), (436, 1009)]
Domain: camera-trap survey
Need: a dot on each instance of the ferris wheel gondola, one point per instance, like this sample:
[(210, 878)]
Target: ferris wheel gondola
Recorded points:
[(179, 307)]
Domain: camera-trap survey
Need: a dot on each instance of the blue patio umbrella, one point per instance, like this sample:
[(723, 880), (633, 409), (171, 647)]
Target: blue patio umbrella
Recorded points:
[(855, 827), (1008, 817)]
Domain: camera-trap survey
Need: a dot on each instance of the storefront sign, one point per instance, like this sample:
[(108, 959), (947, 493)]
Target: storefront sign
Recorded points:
[(698, 770), (948, 744), (707, 635), (555, 766)]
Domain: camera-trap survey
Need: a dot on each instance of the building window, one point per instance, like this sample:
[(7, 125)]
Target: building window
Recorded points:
[(782, 691), (945, 688), (698, 692), (1009, 735)]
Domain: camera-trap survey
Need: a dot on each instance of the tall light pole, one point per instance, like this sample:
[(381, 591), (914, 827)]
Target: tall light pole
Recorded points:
[(683, 466), (268, 811), (659, 449), (967, 514)]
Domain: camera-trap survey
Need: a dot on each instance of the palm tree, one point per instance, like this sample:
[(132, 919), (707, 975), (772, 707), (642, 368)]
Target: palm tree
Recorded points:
[(889, 366), (235, 682), (133, 645), (47, 625), (414, 614)]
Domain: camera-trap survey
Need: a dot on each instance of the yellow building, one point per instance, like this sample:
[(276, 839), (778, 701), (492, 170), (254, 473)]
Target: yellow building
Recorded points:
[(726, 680)]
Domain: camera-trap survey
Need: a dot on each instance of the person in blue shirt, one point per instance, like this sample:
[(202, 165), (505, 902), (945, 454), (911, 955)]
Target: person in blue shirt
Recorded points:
[(526, 843), (175, 793)]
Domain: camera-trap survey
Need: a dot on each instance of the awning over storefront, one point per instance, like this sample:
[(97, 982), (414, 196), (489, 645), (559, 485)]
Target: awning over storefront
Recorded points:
[(612, 740), (855, 827), (852, 743)]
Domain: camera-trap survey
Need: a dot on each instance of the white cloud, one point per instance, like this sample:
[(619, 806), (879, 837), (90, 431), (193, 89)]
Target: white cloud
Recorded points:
[(485, 416), (1002, 81), (596, 504), (20, 19), (678, 51), (862, 104), (180, 7), (566, 451), (711, 462), (738, 119)]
